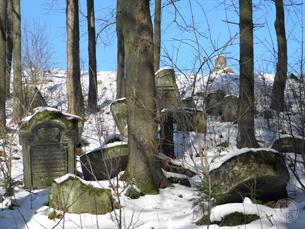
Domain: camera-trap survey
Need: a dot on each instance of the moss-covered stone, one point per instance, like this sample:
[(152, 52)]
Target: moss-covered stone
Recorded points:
[(205, 220), (75, 196), (260, 174), (289, 144), (147, 187), (237, 218), (133, 193)]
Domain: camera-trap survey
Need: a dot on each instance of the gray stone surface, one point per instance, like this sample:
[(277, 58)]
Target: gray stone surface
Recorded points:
[(214, 102), (258, 174), (191, 120), (289, 144), (106, 162), (73, 195), (33, 98), (229, 107), (167, 91), (119, 112), (49, 139)]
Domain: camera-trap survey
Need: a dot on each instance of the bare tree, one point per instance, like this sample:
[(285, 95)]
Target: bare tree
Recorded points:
[(143, 164), (121, 81), (92, 94), (246, 131), (74, 90), (9, 45), (278, 101), (157, 34), (17, 82), (2, 66)]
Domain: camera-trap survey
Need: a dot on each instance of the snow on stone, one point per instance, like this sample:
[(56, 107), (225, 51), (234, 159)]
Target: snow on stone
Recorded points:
[(217, 163), (164, 68)]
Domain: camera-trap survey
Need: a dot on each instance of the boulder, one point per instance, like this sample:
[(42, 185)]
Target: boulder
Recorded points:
[(214, 102), (73, 195), (229, 109), (119, 112), (260, 174), (33, 98), (289, 144), (105, 162)]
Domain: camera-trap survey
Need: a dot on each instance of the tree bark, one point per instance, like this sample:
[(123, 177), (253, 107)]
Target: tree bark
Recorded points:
[(2, 67), (17, 81), (74, 90), (157, 35), (278, 89), (9, 46), (121, 80), (246, 131), (92, 95), (143, 164)]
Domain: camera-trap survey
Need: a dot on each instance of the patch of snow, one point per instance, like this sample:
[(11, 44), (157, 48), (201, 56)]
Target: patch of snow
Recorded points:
[(164, 68)]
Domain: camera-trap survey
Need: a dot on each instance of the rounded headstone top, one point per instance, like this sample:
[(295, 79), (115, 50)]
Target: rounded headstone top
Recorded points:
[(165, 70), (46, 114)]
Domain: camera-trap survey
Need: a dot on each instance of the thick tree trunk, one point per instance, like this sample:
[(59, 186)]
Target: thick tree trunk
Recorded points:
[(246, 131), (143, 164), (157, 35), (2, 67), (9, 46), (74, 90), (17, 82), (278, 100), (121, 80), (92, 95)]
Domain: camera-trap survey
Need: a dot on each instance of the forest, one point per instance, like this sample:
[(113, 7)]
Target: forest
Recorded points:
[(198, 123)]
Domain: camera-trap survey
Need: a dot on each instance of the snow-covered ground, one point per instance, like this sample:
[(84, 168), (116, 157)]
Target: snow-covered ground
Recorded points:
[(173, 207)]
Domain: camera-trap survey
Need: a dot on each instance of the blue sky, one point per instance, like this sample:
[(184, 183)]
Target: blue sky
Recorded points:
[(181, 45)]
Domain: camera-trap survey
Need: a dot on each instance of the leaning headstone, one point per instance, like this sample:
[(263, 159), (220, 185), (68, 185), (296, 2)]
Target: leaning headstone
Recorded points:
[(191, 120), (49, 139), (73, 195), (289, 144), (229, 111), (260, 174), (119, 112), (214, 102), (188, 103), (33, 98), (167, 91), (106, 162)]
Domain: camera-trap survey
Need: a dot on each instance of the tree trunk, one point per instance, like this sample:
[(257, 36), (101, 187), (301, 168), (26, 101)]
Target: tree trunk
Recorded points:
[(246, 131), (17, 82), (278, 100), (9, 46), (167, 134), (2, 67), (121, 80), (92, 95), (143, 164), (157, 35), (74, 90)]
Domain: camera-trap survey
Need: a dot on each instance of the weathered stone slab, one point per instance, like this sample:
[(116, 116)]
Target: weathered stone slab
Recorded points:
[(105, 162), (49, 139), (229, 111), (259, 174), (73, 195), (191, 120), (289, 144), (167, 91), (119, 112), (33, 98), (214, 102)]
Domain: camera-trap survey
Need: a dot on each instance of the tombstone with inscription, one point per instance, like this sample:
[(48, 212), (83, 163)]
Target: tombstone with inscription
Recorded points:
[(167, 91), (48, 140)]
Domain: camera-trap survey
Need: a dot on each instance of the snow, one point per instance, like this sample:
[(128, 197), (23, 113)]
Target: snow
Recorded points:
[(164, 68), (173, 207)]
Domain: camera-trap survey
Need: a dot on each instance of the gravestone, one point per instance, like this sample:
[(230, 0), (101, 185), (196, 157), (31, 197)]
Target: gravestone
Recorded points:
[(220, 63), (214, 102), (119, 112), (106, 162), (49, 139), (167, 91), (229, 109), (191, 120), (33, 98)]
